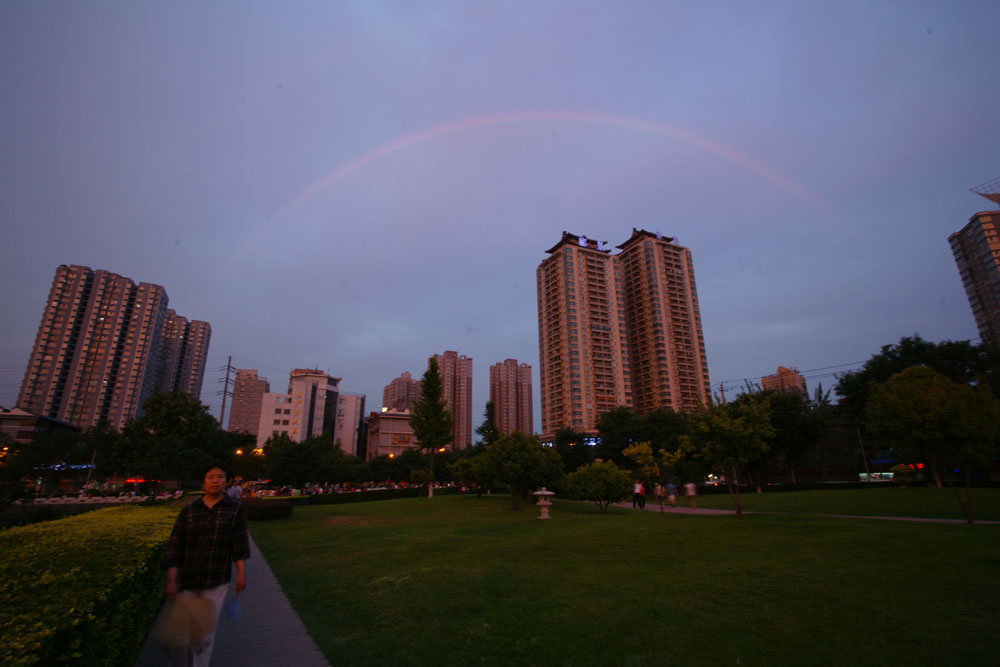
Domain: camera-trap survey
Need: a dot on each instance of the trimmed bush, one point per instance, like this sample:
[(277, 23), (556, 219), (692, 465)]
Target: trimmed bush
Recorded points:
[(82, 590), (380, 494)]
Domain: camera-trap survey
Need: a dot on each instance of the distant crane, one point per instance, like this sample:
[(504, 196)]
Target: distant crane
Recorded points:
[(989, 190)]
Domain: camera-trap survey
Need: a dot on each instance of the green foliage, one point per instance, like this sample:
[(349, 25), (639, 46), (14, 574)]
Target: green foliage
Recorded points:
[(937, 421), (621, 427), (903, 474), (572, 449), (430, 418), (520, 462), (960, 361), (601, 483), (172, 439), (488, 430), (372, 495), (730, 437), (432, 422), (931, 418), (82, 590)]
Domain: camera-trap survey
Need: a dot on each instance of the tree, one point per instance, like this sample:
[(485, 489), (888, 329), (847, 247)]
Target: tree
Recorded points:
[(573, 449), (468, 471), (730, 437), (959, 360), (662, 429), (520, 462), (172, 439), (619, 428), (647, 468), (601, 483), (940, 422), (488, 429), (431, 419)]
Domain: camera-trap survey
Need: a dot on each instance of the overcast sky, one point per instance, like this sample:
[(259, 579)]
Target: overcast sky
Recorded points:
[(354, 186)]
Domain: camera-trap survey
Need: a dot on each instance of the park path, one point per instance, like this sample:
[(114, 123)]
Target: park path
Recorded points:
[(269, 634), (683, 509)]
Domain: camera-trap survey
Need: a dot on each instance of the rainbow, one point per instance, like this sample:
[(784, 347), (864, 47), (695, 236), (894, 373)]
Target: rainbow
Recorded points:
[(477, 123)]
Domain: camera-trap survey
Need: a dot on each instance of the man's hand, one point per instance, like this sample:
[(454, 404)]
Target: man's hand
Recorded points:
[(241, 576), (171, 588)]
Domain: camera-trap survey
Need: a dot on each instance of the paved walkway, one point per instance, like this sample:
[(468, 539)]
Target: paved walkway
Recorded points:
[(270, 633)]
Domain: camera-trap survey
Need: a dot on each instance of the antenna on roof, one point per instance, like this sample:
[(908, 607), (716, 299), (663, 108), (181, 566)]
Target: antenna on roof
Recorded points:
[(989, 190)]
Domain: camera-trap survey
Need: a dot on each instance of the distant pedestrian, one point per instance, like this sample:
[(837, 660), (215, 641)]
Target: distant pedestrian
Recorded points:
[(659, 492), (234, 490), (691, 491), (672, 493), (639, 495)]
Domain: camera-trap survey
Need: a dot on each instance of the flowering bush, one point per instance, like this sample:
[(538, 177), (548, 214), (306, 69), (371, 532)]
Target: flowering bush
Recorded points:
[(82, 590)]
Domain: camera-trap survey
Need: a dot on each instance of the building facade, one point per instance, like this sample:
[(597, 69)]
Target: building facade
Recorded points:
[(184, 355), (308, 409), (349, 427), (618, 330), (976, 248), (510, 392), (389, 434), (401, 393), (248, 393), (99, 349), (23, 426), (784, 381), (456, 385)]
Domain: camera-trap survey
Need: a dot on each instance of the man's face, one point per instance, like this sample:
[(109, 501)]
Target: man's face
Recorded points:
[(215, 481)]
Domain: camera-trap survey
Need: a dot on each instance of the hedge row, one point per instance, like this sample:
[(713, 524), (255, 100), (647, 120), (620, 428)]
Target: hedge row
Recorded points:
[(82, 590), (380, 494)]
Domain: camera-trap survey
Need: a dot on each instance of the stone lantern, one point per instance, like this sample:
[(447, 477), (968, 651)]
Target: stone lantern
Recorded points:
[(543, 502)]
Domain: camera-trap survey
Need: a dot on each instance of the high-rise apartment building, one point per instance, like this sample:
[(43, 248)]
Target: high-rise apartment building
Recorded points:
[(248, 392), (510, 392), (184, 355), (350, 423), (98, 353), (456, 385), (977, 253), (663, 323), (401, 393), (308, 409), (784, 381), (618, 330)]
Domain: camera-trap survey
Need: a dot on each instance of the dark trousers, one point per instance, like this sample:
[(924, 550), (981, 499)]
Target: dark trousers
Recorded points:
[(639, 499)]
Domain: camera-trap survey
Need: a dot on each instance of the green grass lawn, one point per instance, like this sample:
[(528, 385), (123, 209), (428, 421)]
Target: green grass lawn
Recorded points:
[(881, 500), (461, 581)]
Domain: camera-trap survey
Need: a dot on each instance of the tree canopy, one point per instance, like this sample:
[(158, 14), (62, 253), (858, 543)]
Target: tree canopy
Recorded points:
[(601, 483), (960, 361), (520, 462), (936, 421), (730, 437)]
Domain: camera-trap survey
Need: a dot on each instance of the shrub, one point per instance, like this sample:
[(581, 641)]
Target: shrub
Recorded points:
[(602, 483), (380, 494), (903, 474), (83, 590)]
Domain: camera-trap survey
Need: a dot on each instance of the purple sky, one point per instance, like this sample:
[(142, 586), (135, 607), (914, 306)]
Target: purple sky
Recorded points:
[(355, 186)]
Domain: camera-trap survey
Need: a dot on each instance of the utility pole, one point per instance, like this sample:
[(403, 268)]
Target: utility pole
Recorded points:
[(225, 392)]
